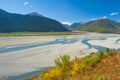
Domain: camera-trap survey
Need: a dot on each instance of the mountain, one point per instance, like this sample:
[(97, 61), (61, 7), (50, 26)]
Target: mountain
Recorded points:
[(72, 26), (75, 25), (33, 22), (100, 25), (66, 26)]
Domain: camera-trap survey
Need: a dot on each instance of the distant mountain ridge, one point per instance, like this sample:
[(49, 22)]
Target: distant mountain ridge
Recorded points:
[(35, 14), (33, 22), (72, 26), (98, 25)]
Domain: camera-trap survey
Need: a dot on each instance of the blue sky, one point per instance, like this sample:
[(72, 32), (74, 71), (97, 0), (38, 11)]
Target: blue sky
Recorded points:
[(66, 10)]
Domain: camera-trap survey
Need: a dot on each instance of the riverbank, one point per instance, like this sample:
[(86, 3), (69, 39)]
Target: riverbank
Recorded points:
[(41, 33), (22, 61), (110, 42), (29, 55)]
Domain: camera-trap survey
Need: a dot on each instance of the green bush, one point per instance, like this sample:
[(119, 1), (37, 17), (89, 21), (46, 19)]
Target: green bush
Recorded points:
[(101, 55), (112, 52), (64, 63), (100, 77), (91, 54), (91, 61), (107, 50)]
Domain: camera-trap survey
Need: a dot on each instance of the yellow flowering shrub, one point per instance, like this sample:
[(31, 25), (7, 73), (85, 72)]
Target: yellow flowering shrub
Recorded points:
[(52, 74), (64, 63), (77, 68)]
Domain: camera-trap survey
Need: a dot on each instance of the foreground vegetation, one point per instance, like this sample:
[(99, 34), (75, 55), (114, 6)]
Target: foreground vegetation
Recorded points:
[(96, 66), (39, 34)]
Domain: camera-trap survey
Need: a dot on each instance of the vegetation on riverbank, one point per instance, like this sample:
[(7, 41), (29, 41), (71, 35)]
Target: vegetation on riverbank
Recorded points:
[(96, 66), (40, 34)]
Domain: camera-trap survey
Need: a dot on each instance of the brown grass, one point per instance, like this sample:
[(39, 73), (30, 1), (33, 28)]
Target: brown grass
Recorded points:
[(107, 68)]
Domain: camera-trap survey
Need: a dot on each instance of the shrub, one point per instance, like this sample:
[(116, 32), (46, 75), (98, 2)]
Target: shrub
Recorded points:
[(107, 50), (100, 77), (101, 55), (91, 61), (91, 54), (52, 74), (112, 52), (77, 67), (64, 63)]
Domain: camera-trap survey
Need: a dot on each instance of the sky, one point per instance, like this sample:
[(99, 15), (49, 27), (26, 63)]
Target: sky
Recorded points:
[(67, 11)]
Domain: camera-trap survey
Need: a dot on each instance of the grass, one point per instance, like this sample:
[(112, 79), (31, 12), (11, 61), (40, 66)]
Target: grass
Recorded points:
[(96, 66), (39, 34)]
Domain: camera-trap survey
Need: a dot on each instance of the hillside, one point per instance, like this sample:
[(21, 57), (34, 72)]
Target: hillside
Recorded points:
[(101, 25), (75, 25), (96, 66), (72, 26), (33, 22), (66, 26)]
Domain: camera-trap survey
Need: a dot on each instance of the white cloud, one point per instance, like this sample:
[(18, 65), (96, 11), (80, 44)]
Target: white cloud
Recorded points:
[(26, 3), (114, 13), (94, 18), (104, 17), (68, 23)]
